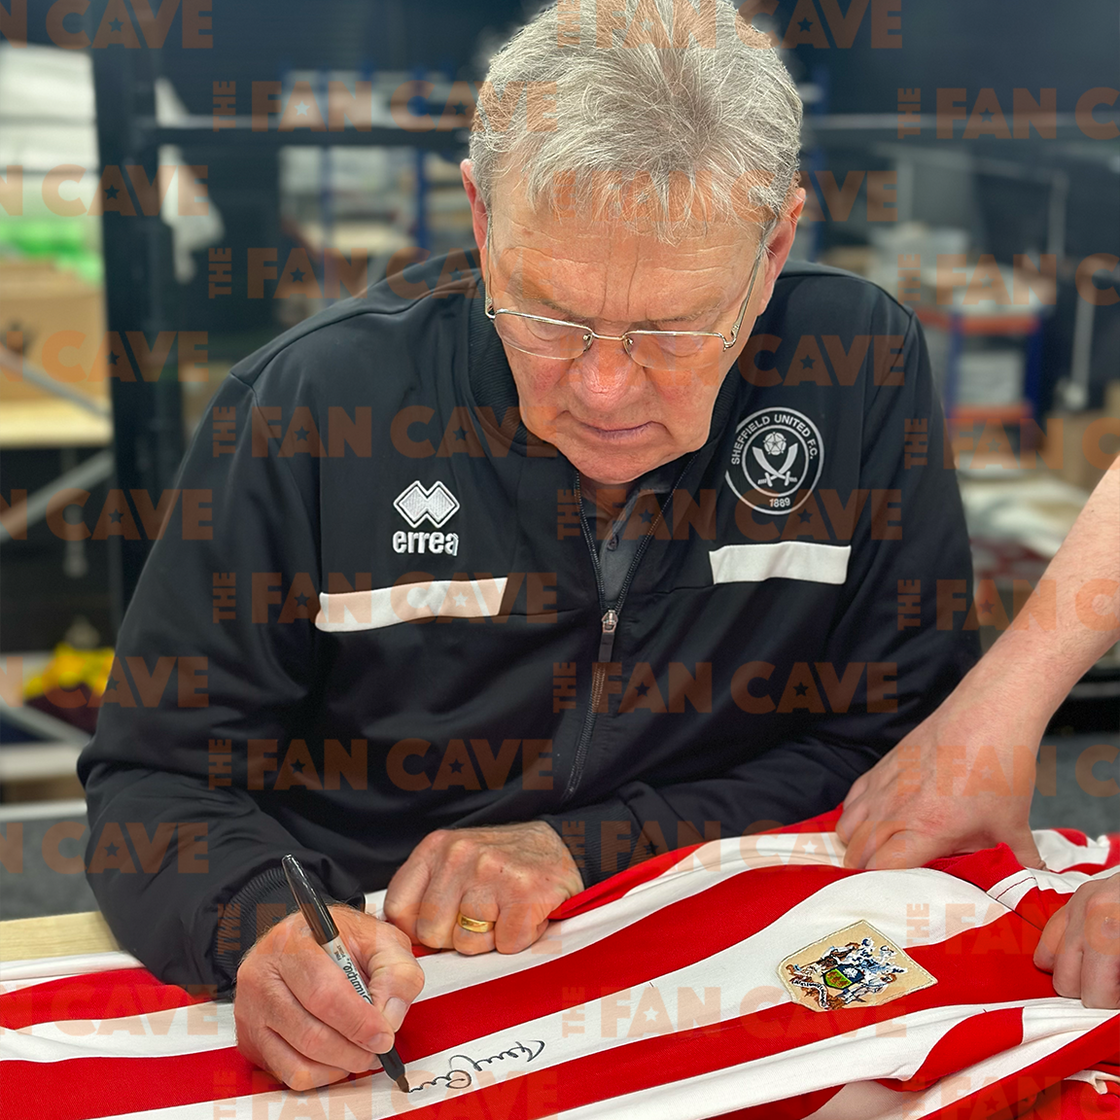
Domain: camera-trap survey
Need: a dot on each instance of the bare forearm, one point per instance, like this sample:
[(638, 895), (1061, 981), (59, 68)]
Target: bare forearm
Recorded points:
[(1070, 620)]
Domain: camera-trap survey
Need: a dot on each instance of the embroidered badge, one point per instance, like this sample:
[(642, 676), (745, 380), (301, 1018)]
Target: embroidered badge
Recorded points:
[(776, 460), (855, 967), (436, 503)]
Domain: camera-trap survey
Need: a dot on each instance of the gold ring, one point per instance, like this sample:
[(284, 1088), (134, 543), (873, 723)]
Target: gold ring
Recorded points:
[(474, 925)]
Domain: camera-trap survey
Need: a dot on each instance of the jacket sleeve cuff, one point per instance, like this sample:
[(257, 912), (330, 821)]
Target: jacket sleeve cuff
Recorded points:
[(600, 837), (251, 912)]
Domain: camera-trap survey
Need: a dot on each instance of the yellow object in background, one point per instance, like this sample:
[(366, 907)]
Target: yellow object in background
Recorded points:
[(68, 668)]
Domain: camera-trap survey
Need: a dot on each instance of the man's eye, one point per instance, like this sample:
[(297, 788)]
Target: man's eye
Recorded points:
[(681, 344), (547, 332)]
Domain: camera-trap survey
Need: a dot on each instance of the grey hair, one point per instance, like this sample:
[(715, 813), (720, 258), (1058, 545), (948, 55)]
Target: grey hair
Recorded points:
[(702, 120)]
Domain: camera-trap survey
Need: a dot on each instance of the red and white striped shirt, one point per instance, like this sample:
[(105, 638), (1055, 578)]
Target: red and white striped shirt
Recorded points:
[(658, 993)]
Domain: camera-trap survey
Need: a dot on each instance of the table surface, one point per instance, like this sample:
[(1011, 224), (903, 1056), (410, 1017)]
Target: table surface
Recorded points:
[(52, 423), (56, 935)]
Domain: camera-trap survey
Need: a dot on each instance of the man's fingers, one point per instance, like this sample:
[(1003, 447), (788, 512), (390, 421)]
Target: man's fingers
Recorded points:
[(469, 943), (298, 1016), (1067, 967), (1100, 969), (1046, 951), (325, 1011), (407, 889), (857, 844), (1081, 945), (318, 1043), (384, 953), (859, 787), (518, 927), (512, 875), (480, 885), (1026, 850), (1100, 979), (293, 1068), (439, 909), (903, 849), (867, 839), (854, 814)]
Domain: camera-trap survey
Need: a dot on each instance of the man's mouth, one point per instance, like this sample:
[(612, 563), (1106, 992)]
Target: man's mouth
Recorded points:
[(615, 432)]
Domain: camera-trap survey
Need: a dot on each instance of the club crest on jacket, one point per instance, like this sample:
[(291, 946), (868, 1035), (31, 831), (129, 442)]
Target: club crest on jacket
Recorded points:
[(776, 460)]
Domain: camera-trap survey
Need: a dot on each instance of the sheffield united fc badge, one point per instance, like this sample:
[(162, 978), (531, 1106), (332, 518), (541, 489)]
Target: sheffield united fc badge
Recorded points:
[(854, 967), (776, 460)]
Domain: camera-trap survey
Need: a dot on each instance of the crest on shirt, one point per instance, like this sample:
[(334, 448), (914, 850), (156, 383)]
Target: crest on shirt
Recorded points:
[(776, 460), (854, 967)]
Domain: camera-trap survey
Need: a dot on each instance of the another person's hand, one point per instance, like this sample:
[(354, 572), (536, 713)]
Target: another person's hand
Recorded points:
[(297, 1015), (960, 781), (511, 875), (1081, 945), (963, 779)]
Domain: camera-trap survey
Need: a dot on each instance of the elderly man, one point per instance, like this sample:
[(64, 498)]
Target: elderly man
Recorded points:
[(515, 577)]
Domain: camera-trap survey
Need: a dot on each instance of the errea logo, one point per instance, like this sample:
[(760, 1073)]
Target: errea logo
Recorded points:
[(436, 504)]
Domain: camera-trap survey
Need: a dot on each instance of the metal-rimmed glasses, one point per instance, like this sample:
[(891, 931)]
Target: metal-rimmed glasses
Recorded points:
[(561, 340)]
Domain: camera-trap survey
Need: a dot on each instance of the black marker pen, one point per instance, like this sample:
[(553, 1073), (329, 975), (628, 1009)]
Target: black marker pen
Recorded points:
[(318, 917)]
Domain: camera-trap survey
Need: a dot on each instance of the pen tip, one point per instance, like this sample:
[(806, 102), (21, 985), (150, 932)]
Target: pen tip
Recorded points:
[(402, 1083)]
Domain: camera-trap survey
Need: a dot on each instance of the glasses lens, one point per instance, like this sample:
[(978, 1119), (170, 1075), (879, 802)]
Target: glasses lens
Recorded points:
[(545, 340), (657, 350)]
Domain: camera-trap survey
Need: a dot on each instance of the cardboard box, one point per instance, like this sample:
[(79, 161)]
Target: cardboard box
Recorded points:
[(1089, 442), (1112, 398), (56, 320)]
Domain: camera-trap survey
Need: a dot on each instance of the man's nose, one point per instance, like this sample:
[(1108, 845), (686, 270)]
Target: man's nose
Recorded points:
[(605, 374)]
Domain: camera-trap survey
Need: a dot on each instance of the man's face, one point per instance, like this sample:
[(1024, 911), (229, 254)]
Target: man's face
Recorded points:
[(612, 418)]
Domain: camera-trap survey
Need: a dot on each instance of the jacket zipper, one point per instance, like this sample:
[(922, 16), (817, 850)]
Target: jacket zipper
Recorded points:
[(608, 624)]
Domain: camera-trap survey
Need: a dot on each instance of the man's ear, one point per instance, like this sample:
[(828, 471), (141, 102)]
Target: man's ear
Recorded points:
[(479, 215), (780, 244)]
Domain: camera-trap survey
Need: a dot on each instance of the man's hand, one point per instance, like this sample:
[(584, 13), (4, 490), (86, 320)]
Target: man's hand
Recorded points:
[(512, 875), (297, 1015), (957, 783), (1081, 945)]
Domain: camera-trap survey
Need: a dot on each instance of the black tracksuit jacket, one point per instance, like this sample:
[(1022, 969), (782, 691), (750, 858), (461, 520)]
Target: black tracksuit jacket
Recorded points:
[(376, 610)]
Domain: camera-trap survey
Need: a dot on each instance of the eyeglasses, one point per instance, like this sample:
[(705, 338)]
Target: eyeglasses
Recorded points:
[(661, 350)]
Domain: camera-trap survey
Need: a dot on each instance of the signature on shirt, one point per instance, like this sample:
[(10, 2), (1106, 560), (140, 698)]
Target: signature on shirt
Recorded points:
[(459, 1077)]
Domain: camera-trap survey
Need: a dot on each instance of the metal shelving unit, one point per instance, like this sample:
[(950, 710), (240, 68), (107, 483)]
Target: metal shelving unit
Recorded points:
[(147, 415)]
